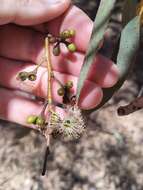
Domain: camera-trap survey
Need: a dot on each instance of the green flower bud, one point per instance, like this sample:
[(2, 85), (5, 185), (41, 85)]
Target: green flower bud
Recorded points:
[(69, 84), (65, 34), (72, 47), (32, 76), (31, 119), (56, 50), (60, 91), (23, 76), (72, 32), (40, 120)]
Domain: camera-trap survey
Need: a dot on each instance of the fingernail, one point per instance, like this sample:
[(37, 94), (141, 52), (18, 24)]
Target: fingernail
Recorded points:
[(90, 98), (111, 78)]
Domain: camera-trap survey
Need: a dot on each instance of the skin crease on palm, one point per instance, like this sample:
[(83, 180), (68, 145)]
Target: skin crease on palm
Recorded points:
[(23, 25)]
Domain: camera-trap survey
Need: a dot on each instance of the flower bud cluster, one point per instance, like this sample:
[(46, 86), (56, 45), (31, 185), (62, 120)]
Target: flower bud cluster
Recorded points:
[(64, 38)]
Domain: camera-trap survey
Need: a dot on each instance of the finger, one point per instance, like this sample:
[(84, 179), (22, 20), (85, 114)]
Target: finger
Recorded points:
[(31, 12), (74, 18), (16, 108), (10, 69), (104, 72), (28, 45), (20, 43)]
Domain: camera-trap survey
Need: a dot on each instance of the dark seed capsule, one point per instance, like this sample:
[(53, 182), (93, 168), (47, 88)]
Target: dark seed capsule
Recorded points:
[(69, 84), (32, 77), (31, 119), (40, 120), (56, 50), (23, 76)]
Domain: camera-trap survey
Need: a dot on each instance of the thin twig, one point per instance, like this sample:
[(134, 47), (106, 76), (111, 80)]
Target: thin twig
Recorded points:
[(49, 101), (49, 69), (135, 105), (47, 152)]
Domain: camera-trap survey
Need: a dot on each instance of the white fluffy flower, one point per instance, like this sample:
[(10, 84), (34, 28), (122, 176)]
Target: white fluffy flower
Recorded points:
[(73, 124)]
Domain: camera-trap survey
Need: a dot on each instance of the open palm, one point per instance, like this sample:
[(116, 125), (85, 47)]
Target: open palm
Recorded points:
[(22, 47)]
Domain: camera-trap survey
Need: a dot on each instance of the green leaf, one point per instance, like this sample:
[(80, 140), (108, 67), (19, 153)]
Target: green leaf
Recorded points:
[(129, 45), (100, 25)]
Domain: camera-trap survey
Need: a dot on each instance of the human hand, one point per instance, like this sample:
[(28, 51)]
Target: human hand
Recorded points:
[(22, 47)]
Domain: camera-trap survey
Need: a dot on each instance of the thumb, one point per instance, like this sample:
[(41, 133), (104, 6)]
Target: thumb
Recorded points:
[(31, 12)]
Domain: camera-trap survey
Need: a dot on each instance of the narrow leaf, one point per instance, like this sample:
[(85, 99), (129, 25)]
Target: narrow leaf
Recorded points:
[(100, 25), (129, 45)]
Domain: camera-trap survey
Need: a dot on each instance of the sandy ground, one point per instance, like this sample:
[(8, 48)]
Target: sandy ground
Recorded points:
[(108, 156)]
